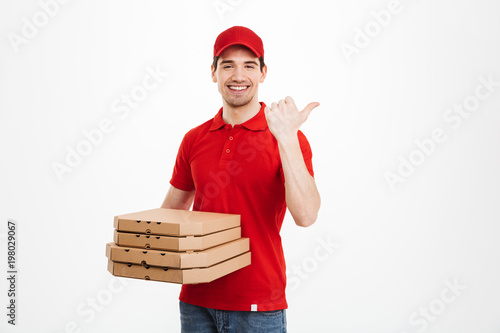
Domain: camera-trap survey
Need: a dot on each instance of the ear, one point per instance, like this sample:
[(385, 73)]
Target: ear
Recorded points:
[(214, 78), (263, 74)]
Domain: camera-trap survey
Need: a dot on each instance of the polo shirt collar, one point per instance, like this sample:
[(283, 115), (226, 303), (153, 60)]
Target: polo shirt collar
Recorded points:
[(256, 123)]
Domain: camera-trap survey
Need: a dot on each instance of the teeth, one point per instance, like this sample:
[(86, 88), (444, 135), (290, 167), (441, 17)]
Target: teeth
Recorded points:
[(237, 88)]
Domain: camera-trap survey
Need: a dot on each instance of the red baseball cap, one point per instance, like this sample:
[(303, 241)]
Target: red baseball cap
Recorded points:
[(239, 35)]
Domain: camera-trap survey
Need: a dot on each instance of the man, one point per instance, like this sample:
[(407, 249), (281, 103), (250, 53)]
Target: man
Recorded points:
[(251, 160)]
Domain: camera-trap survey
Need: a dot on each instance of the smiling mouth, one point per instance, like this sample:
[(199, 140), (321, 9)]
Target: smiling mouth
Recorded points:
[(236, 88)]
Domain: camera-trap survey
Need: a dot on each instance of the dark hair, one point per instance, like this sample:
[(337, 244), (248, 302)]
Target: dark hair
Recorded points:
[(216, 59)]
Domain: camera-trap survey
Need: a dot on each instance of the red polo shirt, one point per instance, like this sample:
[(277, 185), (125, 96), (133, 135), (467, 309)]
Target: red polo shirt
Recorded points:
[(237, 170)]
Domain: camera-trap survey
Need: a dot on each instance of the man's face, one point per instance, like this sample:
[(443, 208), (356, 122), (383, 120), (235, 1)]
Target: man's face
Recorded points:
[(238, 75)]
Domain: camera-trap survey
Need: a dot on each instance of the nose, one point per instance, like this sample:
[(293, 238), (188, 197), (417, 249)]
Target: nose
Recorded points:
[(238, 74)]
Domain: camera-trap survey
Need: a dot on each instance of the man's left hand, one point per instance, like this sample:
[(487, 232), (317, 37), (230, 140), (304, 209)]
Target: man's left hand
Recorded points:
[(284, 119)]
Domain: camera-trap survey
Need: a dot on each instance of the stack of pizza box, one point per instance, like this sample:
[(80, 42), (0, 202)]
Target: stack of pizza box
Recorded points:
[(177, 246)]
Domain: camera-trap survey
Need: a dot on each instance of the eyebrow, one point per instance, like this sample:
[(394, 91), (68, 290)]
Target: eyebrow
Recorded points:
[(246, 62)]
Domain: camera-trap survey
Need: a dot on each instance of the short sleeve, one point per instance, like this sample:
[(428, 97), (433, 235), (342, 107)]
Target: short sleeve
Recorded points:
[(306, 154), (306, 151), (182, 178)]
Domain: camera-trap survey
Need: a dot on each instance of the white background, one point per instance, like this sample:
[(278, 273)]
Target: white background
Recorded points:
[(395, 249)]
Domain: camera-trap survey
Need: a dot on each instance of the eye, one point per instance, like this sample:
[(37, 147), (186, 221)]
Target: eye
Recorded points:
[(227, 66), (250, 66)]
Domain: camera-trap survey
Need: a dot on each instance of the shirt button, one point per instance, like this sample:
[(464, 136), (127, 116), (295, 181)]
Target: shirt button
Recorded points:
[(230, 138), (227, 151)]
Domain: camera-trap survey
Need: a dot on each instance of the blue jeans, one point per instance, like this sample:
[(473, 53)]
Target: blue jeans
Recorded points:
[(197, 319)]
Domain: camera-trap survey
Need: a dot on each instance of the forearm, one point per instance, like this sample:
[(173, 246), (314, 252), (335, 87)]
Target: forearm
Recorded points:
[(178, 199), (302, 197)]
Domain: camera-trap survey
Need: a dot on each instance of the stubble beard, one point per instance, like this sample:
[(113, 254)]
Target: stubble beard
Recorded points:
[(237, 102)]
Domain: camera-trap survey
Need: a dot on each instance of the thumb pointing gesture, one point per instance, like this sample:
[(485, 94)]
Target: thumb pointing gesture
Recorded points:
[(284, 119), (307, 110)]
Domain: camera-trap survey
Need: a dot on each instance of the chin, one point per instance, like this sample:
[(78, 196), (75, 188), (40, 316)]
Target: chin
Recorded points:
[(235, 102)]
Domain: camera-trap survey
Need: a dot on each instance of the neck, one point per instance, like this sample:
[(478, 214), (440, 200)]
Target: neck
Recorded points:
[(235, 115)]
